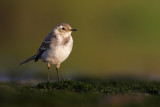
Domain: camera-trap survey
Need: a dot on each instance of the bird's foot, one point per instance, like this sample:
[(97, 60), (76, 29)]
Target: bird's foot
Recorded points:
[(47, 81), (58, 80)]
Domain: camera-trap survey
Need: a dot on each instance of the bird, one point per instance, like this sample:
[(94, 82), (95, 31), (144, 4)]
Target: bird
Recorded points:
[(55, 48)]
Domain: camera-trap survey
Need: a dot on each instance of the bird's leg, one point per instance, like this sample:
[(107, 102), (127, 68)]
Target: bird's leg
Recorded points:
[(48, 65), (57, 69)]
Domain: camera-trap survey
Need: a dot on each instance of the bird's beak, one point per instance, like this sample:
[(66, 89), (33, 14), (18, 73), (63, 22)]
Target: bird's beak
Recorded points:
[(73, 29)]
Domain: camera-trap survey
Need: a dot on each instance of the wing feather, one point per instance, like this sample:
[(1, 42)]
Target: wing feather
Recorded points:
[(44, 46)]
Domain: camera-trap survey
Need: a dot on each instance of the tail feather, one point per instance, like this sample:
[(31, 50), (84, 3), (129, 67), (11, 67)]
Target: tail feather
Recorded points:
[(28, 59)]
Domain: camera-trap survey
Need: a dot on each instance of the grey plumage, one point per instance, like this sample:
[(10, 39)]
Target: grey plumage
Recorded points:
[(44, 46), (28, 59)]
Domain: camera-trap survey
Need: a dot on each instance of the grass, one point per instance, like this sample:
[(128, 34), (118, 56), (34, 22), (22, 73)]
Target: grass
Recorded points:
[(83, 92)]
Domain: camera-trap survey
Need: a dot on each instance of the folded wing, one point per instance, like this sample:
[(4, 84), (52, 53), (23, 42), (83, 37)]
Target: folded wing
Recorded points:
[(44, 46)]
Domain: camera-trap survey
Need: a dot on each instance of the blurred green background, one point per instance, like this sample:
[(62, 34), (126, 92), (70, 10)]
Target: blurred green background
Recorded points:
[(114, 36)]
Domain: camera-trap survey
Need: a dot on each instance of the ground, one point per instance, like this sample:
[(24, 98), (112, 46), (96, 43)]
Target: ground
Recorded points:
[(83, 92)]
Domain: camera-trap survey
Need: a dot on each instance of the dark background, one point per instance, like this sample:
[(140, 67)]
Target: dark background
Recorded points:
[(114, 37)]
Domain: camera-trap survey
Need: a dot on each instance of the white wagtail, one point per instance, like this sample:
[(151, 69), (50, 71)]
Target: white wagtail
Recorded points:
[(55, 48)]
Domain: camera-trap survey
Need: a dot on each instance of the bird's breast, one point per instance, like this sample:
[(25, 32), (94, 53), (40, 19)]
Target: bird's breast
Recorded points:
[(58, 52)]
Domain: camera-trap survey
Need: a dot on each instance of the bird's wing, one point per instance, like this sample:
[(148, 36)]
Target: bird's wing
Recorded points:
[(44, 46)]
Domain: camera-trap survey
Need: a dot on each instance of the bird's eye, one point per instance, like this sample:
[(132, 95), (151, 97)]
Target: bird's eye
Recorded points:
[(63, 28)]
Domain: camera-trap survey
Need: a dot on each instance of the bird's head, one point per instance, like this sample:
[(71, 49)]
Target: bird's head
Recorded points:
[(63, 29)]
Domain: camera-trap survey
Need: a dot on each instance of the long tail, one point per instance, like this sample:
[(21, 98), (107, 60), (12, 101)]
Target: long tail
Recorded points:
[(28, 59)]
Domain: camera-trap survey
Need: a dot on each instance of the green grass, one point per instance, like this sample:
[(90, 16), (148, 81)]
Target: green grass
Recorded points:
[(83, 92), (104, 87)]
